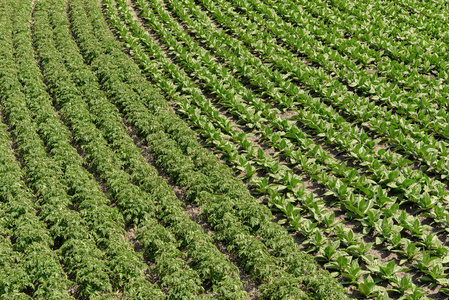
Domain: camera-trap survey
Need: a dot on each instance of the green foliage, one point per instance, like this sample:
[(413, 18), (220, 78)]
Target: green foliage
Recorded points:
[(353, 89)]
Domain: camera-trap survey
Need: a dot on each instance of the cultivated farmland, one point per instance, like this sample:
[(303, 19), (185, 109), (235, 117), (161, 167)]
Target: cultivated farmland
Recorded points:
[(226, 149)]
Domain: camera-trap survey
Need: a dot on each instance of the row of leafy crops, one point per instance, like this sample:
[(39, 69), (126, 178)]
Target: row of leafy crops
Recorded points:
[(100, 176)]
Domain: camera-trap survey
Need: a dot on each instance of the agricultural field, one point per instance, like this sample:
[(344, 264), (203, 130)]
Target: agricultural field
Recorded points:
[(225, 149)]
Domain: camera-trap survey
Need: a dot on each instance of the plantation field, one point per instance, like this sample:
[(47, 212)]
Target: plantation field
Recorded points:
[(226, 149)]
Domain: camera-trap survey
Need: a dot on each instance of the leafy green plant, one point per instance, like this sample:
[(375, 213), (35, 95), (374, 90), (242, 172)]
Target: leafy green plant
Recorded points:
[(354, 272), (387, 271), (368, 287)]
